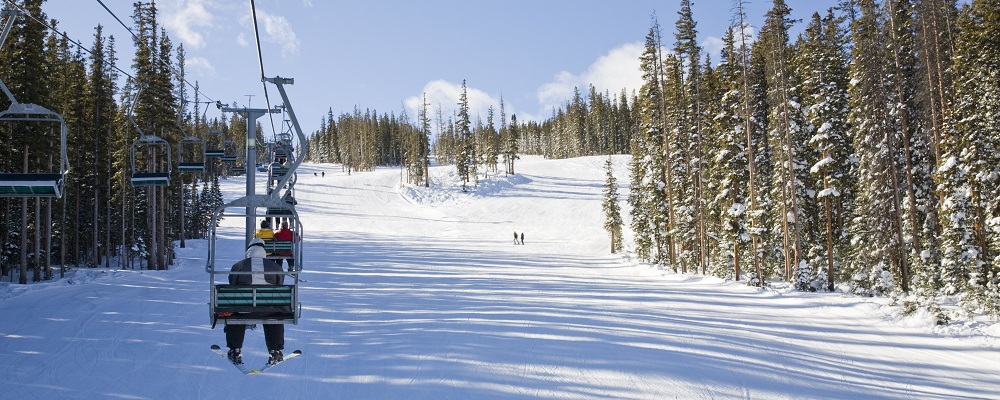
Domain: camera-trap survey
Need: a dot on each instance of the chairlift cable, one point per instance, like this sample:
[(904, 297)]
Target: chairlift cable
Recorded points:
[(167, 64), (80, 45), (260, 60)]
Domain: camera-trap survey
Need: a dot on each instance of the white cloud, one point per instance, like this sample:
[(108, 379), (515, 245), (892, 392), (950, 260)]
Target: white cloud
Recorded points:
[(201, 65), (188, 19), (241, 39), (443, 95), (276, 30), (713, 46), (612, 72)]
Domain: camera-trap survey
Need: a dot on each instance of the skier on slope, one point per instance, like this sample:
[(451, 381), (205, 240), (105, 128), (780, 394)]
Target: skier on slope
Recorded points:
[(274, 334)]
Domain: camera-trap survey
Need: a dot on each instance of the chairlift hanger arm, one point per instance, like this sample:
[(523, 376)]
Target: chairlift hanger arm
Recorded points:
[(11, 15), (131, 108), (280, 83)]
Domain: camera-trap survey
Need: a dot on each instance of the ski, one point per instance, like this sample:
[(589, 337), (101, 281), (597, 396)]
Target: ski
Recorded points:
[(246, 370), (268, 366), (242, 367)]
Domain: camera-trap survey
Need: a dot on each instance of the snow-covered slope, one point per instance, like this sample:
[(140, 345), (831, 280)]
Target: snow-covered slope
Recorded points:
[(416, 293)]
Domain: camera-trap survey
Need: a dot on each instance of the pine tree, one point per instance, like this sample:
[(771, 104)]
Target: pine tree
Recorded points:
[(690, 123), (463, 126), (730, 166), (786, 136), (971, 260), (646, 194), (822, 60), (612, 211), (877, 253)]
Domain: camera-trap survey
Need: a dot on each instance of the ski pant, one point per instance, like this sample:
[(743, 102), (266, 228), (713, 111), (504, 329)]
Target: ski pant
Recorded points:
[(274, 336)]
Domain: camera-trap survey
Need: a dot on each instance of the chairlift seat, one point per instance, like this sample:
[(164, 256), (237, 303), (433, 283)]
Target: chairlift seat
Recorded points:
[(151, 179), (277, 172), (278, 212), (278, 246), (31, 185), (215, 153), (239, 170), (255, 304), (191, 167)]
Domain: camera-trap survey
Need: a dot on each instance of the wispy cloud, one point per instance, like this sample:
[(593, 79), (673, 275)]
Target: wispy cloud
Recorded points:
[(188, 20), (612, 72), (202, 66), (276, 30)]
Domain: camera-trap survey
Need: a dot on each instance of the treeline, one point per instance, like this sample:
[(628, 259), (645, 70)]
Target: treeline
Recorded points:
[(361, 141), (863, 152), (101, 219), (599, 124)]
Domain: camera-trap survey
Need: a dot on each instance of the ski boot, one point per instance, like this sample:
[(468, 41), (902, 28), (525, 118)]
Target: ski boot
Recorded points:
[(275, 357), (235, 356)]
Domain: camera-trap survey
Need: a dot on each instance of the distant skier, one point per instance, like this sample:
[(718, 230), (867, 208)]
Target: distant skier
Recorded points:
[(515, 238), (522, 237), (322, 173)]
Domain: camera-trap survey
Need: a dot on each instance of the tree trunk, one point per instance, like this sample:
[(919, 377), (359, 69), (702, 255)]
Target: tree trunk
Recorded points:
[(23, 270), (182, 211), (37, 266)]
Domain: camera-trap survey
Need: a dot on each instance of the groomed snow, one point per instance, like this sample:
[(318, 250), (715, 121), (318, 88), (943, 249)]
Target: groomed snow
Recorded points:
[(417, 293)]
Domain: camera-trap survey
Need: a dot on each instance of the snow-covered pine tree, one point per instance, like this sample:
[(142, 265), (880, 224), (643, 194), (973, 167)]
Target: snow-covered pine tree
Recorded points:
[(612, 211), (975, 143), (792, 184), (647, 190), (730, 171), (876, 237), (463, 131), (822, 61), (690, 125), (764, 210)]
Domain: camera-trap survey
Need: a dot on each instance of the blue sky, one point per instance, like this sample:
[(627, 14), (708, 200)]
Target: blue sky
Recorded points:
[(384, 55)]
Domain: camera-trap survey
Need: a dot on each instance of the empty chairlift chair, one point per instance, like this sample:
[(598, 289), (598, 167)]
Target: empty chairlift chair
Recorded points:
[(153, 166), (191, 154), (149, 155), (50, 181), (214, 152)]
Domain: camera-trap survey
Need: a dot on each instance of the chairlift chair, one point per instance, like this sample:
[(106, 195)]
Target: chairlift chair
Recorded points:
[(191, 154), (214, 152), (229, 154), (157, 159), (154, 151), (35, 184), (253, 304), (32, 184)]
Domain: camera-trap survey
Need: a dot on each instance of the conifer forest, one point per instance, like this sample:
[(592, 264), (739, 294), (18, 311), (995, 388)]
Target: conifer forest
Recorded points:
[(859, 153)]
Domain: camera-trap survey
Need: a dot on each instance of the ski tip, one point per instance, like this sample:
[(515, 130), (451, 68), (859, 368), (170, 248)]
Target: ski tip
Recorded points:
[(216, 347), (297, 352)]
